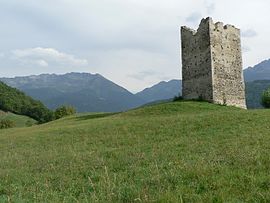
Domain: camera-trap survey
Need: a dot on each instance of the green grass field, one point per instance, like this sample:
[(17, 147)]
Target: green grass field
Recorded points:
[(19, 121), (171, 152)]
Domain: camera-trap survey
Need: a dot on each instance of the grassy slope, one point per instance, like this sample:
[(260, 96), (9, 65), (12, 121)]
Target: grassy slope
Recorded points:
[(182, 151), (20, 121)]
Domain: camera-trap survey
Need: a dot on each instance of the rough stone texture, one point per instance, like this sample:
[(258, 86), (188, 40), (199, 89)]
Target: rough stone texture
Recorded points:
[(212, 64)]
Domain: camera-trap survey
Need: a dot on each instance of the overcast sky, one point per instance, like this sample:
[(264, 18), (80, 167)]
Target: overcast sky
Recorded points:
[(134, 43)]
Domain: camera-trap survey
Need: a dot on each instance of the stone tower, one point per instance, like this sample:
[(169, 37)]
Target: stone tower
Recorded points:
[(212, 64)]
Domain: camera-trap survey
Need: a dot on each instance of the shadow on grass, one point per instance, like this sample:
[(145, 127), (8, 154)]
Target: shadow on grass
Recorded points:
[(94, 116)]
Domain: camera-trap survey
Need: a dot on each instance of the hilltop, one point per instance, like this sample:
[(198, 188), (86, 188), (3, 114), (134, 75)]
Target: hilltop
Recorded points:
[(170, 152)]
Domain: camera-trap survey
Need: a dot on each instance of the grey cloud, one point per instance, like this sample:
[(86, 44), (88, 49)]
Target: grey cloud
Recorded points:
[(163, 78), (149, 74), (143, 75), (45, 56), (117, 37), (194, 17), (210, 7)]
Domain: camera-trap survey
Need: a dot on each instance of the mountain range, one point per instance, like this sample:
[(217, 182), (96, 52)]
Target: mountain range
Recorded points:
[(94, 93), (257, 80), (260, 71), (84, 91), (161, 91), (89, 92)]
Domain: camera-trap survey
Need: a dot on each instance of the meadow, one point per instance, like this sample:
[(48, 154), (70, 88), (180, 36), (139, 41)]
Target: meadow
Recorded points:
[(170, 152), (18, 120)]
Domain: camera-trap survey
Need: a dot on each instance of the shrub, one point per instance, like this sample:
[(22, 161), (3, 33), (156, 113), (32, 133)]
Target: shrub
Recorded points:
[(5, 123), (266, 98), (29, 123), (63, 111), (177, 98), (200, 98)]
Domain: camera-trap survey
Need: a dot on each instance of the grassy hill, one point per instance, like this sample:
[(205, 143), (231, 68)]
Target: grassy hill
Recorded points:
[(20, 121), (171, 152)]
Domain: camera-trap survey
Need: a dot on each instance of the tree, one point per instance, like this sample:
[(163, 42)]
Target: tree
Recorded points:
[(266, 98), (63, 111)]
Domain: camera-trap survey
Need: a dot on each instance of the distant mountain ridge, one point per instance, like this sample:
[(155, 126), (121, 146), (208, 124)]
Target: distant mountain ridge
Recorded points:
[(260, 71), (161, 91), (94, 93), (84, 91), (89, 92), (257, 80)]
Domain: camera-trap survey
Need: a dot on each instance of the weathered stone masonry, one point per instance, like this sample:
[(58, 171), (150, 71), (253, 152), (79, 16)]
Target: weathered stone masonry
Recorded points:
[(212, 64)]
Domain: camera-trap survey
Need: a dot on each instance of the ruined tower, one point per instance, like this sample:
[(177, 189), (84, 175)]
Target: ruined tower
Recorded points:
[(212, 64)]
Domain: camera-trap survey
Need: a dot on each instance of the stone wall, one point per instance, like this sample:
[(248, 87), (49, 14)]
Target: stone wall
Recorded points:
[(212, 64), (228, 83), (196, 60)]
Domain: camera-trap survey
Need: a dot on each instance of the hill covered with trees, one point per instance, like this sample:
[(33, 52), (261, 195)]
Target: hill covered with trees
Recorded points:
[(15, 101)]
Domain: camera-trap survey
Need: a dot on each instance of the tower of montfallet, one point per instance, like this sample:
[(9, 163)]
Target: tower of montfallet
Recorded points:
[(212, 64)]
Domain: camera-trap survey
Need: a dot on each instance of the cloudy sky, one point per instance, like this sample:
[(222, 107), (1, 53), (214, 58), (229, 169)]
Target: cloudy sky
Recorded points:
[(134, 43)]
